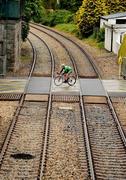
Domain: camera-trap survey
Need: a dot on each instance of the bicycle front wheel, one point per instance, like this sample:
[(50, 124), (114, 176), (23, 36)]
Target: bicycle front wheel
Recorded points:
[(58, 80), (71, 80)]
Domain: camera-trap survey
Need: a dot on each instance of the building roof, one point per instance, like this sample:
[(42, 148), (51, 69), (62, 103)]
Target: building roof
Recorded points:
[(113, 16)]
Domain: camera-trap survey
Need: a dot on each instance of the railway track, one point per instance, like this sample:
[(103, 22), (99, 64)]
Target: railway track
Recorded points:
[(64, 137), (43, 55), (25, 137), (107, 147), (67, 52), (75, 52), (66, 154)]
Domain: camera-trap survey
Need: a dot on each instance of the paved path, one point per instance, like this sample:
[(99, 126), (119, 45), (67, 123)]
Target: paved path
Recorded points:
[(12, 85), (115, 87)]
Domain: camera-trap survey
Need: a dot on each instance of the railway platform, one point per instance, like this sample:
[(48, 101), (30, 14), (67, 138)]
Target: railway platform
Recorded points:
[(88, 87)]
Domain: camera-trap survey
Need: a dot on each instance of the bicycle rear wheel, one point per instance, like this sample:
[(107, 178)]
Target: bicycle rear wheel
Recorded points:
[(58, 80), (71, 80)]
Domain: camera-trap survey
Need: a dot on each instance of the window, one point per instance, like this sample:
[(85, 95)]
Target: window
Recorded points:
[(120, 21)]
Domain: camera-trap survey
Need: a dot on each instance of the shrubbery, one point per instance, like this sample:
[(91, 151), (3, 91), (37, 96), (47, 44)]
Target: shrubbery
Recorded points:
[(99, 34), (88, 15), (25, 30), (57, 17), (33, 10)]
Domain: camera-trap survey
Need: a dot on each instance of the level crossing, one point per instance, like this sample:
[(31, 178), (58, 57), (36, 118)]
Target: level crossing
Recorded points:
[(41, 85)]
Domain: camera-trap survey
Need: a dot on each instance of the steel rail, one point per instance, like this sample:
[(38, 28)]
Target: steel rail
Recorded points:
[(43, 155), (12, 125), (121, 132), (45, 144)]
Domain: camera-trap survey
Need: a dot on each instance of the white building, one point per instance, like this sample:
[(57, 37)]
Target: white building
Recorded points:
[(115, 27)]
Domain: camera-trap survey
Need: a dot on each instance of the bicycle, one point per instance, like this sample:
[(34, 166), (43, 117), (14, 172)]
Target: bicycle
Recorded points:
[(59, 79)]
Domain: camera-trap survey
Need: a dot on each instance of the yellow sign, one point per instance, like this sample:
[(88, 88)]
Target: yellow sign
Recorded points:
[(120, 60), (122, 50)]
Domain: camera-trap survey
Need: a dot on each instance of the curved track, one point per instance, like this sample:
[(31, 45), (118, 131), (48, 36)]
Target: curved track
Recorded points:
[(25, 136), (84, 65)]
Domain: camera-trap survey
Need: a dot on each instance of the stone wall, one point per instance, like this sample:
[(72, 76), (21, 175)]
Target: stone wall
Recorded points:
[(10, 43)]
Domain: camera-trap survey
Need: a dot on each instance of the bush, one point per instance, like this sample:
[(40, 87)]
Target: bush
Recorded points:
[(98, 34), (58, 17), (25, 30), (39, 16), (88, 16), (101, 35)]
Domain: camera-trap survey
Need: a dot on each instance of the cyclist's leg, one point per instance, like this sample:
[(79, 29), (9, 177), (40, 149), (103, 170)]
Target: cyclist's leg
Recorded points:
[(64, 75), (68, 74)]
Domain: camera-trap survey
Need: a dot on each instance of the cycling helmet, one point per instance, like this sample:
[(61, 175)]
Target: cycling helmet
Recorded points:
[(62, 65)]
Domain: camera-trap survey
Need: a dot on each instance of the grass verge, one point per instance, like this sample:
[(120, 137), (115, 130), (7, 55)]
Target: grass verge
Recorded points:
[(72, 29), (69, 28)]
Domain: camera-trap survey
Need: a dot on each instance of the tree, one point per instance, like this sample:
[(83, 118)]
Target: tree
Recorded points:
[(72, 5), (50, 4), (114, 6), (33, 10), (88, 15)]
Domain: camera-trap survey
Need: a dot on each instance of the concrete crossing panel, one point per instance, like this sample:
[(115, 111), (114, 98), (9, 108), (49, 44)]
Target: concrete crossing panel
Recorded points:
[(39, 85), (115, 87), (92, 87), (65, 89)]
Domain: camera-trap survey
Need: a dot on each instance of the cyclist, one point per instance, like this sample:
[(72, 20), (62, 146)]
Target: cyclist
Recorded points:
[(66, 71)]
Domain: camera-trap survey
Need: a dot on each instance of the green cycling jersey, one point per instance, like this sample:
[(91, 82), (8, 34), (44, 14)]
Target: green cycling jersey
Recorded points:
[(67, 69)]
